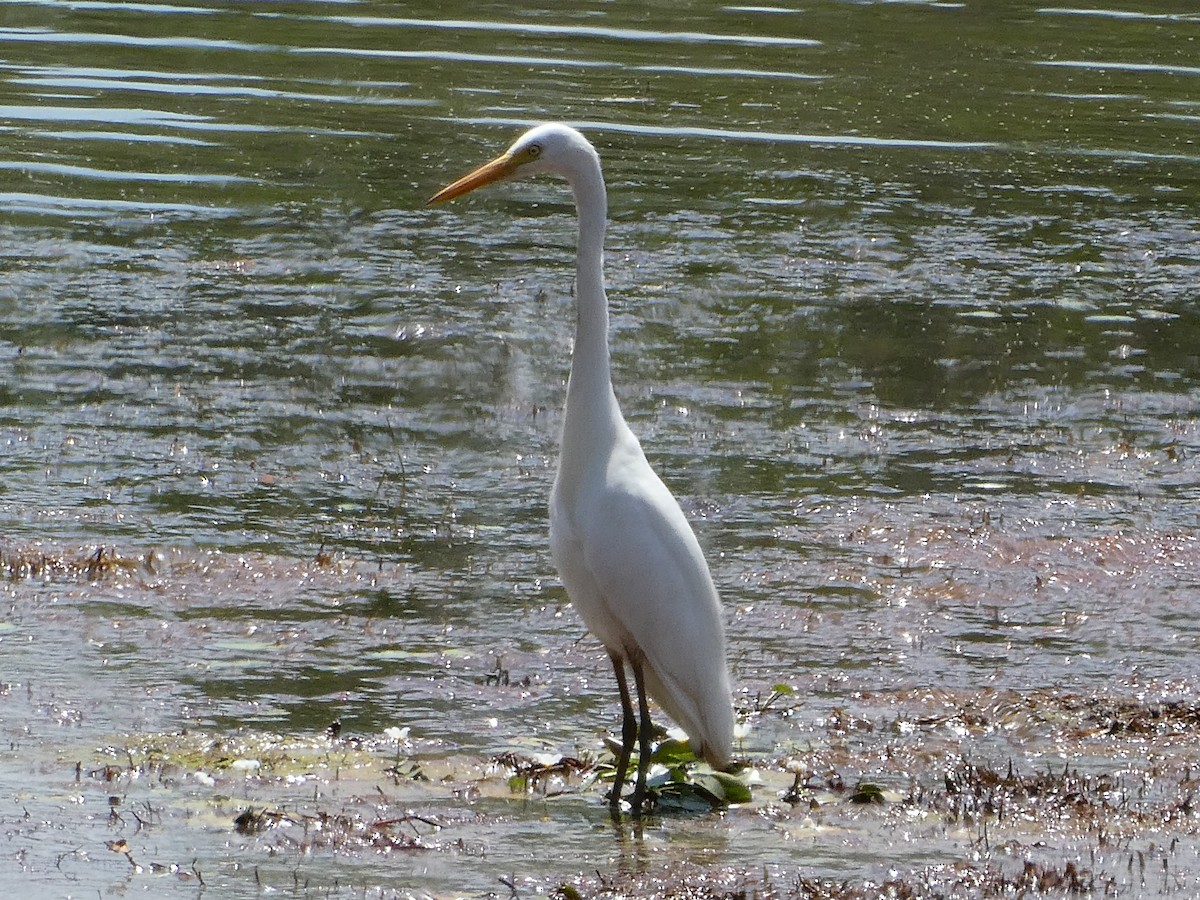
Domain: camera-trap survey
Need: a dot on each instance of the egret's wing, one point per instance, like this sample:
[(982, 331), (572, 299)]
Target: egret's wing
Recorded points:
[(651, 576)]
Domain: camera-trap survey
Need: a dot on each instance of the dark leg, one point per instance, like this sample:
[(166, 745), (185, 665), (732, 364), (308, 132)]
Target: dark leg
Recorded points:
[(645, 734), (628, 731)]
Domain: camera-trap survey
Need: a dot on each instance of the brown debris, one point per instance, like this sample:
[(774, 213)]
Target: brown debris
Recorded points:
[(939, 882), (338, 832), (90, 564)]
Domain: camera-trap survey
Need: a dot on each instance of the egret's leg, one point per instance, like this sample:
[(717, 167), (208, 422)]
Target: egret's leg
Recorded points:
[(628, 731), (645, 733)]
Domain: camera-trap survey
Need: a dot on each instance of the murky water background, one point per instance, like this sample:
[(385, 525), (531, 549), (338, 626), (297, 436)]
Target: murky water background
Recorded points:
[(904, 308)]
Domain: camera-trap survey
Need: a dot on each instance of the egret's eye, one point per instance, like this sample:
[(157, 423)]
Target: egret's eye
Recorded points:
[(534, 151)]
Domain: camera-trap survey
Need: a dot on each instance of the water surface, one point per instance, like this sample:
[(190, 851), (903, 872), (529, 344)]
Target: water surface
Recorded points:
[(903, 311)]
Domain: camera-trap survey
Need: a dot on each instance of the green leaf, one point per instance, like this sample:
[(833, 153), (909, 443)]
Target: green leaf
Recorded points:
[(736, 790), (783, 690), (672, 753)]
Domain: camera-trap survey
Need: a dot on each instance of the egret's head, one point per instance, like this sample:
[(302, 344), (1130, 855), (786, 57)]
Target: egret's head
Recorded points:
[(553, 147)]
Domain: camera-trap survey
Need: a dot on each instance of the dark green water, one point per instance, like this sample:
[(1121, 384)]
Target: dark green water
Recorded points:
[(904, 310)]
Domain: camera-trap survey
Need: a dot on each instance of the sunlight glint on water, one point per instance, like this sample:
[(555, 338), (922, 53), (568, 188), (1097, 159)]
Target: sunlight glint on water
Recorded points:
[(903, 310)]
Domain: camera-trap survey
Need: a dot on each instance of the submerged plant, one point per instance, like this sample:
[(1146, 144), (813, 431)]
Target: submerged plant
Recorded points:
[(679, 780)]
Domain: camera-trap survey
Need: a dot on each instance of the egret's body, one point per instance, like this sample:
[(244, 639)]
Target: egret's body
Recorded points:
[(623, 547)]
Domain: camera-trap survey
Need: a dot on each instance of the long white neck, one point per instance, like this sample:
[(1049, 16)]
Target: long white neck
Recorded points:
[(592, 413)]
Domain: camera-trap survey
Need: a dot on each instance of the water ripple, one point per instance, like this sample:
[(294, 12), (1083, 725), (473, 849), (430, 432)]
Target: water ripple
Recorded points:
[(1119, 14), (122, 136), (459, 56), (16, 201), (725, 134), (124, 115), (127, 7), (552, 62), (153, 118), (48, 36), (193, 88), (594, 31), (1101, 65), (112, 175)]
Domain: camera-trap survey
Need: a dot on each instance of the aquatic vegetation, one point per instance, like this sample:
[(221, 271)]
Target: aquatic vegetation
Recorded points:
[(1125, 808), (678, 780)]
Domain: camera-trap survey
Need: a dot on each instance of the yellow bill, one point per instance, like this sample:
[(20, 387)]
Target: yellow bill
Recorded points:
[(498, 168)]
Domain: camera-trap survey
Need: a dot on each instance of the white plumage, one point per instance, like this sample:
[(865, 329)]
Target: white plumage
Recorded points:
[(629, 559)]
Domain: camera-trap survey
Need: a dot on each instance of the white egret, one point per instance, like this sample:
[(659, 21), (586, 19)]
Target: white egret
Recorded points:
[(623, 547)]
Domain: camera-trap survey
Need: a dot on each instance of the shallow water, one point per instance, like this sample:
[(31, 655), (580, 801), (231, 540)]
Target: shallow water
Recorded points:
[(903, 310)]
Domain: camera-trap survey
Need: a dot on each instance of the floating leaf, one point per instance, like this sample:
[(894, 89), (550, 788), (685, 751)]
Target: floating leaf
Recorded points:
[(671, 753), (736, 790), (688, 796)]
